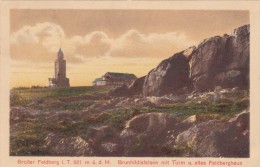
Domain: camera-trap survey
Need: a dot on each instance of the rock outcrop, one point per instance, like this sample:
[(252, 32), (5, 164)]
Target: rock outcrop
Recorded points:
[(169, 76), (220, 61)]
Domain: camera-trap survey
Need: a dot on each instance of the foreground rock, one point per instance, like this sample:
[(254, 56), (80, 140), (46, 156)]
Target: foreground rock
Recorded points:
[(216, 139), (145, 134), (72, 146), (150, 134), (150, 123), (153, 134), (160, 134)]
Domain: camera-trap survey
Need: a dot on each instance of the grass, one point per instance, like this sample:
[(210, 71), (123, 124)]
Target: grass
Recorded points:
[(211, 110), (33, 93), (49, 99), (28, 139)]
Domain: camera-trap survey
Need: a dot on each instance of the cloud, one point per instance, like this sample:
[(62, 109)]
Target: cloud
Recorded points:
[(36, 43), (95, 44), (42, 41), (136, 44), (47, 34)]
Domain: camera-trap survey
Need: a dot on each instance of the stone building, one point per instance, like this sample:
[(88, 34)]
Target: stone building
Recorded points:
[(60, 79), (114, 79)]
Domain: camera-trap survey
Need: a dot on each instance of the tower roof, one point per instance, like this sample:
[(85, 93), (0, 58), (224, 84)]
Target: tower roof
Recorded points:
[(60, 54)]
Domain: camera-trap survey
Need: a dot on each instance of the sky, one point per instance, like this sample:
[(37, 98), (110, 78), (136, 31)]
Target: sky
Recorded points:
[(98, 41)]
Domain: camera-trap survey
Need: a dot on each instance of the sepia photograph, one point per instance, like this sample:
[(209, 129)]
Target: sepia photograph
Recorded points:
[(129, 83), (133, 83)]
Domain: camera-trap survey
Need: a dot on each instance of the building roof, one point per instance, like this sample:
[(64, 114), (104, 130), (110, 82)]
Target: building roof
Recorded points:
[(121, 75), (98, 79)]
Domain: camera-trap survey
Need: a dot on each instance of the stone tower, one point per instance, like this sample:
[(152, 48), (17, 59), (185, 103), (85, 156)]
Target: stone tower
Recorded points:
[(60, 79)]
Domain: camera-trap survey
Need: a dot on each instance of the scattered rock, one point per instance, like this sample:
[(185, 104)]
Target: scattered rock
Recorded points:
[(103, 105), (125, 103), (100, 133), (72, 146), (20, 114), (110, 148)]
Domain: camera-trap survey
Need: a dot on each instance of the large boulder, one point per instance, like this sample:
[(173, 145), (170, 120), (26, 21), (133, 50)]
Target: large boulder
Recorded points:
[(221, 61), (216, 139), (145, 134), (104, 141), (150, 123), (200, 140), (237, 137), (169, 76)]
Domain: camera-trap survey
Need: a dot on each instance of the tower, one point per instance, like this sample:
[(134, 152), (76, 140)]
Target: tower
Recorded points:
[(60, 79)]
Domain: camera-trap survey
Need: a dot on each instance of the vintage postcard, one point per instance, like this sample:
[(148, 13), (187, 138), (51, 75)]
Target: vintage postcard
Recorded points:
[(129, 83)]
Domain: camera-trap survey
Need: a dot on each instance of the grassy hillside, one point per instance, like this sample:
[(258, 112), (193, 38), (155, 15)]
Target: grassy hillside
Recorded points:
[(71, 112), (31, 93)]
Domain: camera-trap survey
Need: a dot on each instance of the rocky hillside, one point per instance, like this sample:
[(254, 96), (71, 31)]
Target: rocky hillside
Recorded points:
[(193, 104), (212, 124), (217, 62)]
